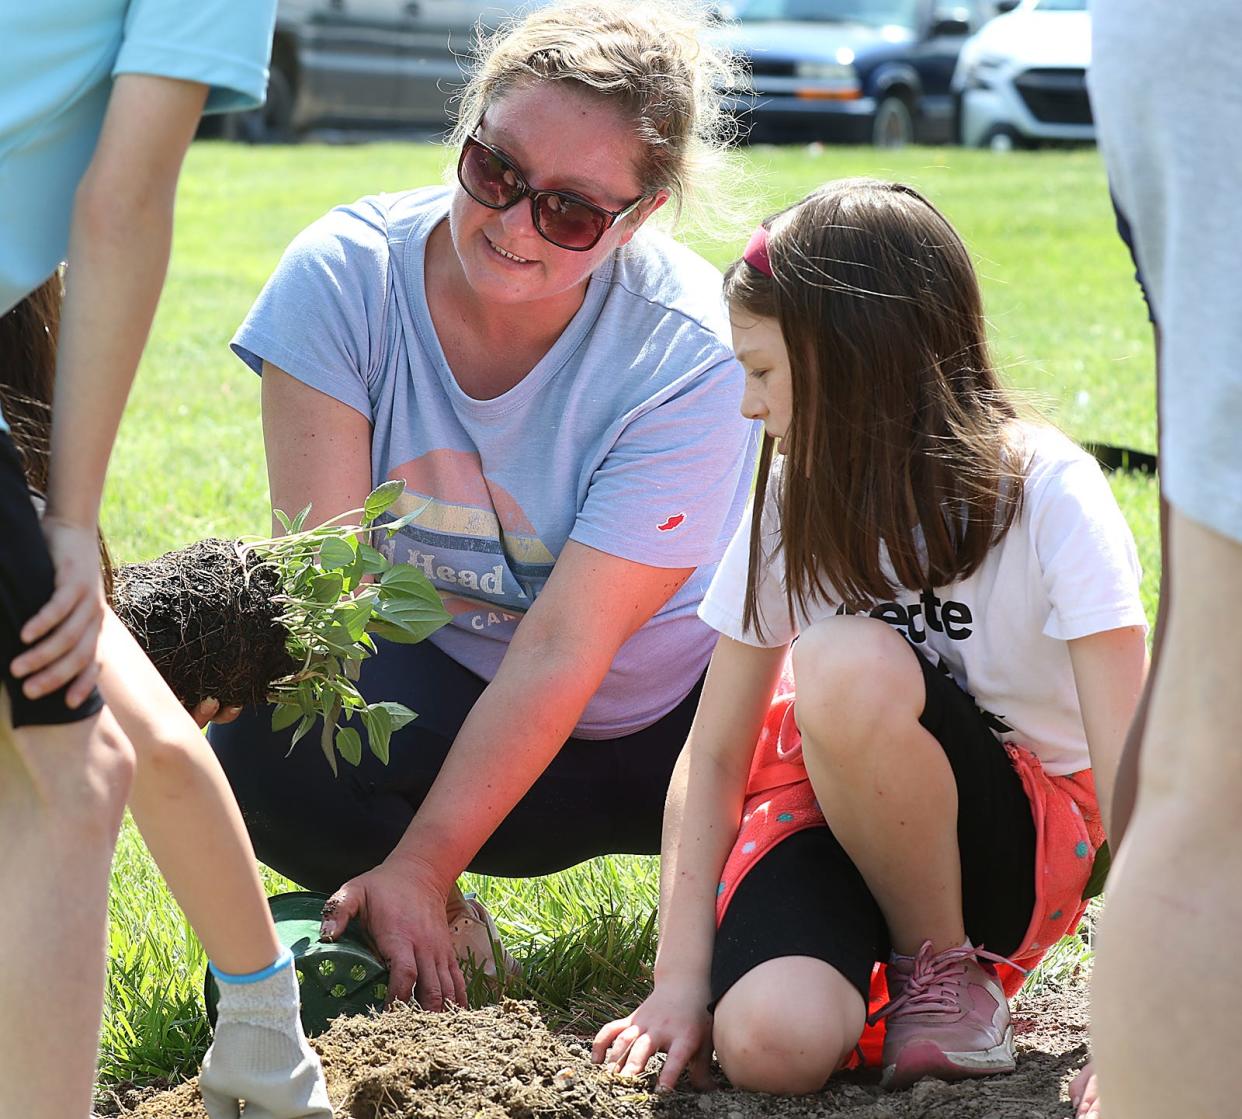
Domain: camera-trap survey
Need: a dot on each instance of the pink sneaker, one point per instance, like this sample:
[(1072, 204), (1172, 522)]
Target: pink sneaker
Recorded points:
[(947, 1017)]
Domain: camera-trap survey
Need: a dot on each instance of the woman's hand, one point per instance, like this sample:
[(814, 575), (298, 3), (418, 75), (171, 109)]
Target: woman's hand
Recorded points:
[(67, 627), (672, 1020), (403, 908), (209, 711)]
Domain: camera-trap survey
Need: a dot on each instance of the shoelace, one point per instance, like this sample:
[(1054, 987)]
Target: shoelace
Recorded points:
[(934, 979)]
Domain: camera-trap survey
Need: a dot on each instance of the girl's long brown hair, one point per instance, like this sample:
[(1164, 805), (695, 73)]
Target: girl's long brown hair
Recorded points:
[(900, 445), (28, 338)]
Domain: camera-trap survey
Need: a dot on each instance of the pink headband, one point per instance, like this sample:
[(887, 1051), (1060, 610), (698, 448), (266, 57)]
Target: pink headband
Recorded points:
[(756, 254)]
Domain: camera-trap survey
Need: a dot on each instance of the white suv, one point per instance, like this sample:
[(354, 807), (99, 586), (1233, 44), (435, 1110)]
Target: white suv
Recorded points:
[(1021, 80)]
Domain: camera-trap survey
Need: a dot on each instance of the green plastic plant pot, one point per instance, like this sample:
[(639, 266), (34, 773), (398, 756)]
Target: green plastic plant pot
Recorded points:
[(338, 977)]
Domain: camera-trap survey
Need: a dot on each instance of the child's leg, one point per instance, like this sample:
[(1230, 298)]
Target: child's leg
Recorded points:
[(792, 966), (888, 744), (1167, 975), (923, 797), (184, 808), (64, 777), (62, 797), (787, 1026)]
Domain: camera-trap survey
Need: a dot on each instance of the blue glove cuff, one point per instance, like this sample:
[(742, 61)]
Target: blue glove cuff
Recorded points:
[(284, 960)]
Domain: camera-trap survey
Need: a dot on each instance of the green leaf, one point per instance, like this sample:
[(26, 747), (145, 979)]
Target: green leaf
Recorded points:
[(307, 699), (380, 498), (304, 726), (346, 692), (325, 744), (355, 615), (391, 527), (297, 579), (349, 743), (285, 715), (373, 560), (410, 618), (281, 516), (326, 589), (402, 578), (398, 714), (1099, 872), (337, 639), (329, 730), (378, 740), (336, 553), (300, 519)]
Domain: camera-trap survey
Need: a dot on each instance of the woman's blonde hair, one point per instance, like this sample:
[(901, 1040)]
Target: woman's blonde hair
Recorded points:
[(647, 57)]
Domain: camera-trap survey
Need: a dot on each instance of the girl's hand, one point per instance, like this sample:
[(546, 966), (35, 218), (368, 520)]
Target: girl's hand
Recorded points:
[(672, 1020), (67, 627), (403, 908), (1084, 1093)]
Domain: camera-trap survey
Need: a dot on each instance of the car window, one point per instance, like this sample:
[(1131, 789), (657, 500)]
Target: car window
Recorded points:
[(872, 13)]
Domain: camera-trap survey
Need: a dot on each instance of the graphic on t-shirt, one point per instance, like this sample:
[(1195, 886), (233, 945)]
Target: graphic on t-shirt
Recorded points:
[(953, 619), (671, 523), (473, 541)]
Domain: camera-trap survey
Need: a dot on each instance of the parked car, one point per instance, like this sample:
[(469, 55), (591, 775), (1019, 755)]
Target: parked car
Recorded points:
[(1022, 80), (857, 71), (371, 63)]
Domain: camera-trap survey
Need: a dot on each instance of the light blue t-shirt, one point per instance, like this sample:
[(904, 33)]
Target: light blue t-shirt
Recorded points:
[(57, 62), (626, 436)]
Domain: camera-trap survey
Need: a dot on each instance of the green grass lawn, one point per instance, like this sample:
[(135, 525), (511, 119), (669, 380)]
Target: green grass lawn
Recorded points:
[(1068, 329)]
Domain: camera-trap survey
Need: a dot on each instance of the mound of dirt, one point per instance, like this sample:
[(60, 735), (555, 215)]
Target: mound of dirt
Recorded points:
[(503, 1063)]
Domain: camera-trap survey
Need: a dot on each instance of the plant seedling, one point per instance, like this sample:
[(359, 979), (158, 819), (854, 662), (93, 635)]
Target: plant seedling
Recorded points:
[(286, 620)]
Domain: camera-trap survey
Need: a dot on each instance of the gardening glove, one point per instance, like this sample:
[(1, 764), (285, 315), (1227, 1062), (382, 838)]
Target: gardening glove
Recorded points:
[(260, 1053)]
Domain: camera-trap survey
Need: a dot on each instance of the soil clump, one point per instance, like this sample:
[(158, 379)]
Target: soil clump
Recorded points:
[(502, 1062), (206, 618)]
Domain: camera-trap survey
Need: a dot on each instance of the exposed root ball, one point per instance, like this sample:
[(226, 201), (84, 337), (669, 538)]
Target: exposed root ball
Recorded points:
[(209, 629)]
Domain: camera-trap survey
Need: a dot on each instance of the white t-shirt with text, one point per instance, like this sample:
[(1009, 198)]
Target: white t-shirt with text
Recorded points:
[(1066, 568)]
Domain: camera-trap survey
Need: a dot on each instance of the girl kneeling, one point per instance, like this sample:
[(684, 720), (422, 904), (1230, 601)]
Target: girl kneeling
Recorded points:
[(964, 597)]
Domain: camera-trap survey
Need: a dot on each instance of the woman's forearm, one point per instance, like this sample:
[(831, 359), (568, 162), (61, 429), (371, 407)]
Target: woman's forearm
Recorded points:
[(185, 810), (515, 729)]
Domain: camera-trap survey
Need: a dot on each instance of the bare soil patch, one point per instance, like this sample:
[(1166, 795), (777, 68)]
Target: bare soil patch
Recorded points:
[(503, 1063)]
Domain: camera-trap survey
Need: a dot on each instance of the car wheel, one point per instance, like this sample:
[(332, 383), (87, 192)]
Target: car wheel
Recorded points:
[(272, 122), (894, 124), (1002, 138)]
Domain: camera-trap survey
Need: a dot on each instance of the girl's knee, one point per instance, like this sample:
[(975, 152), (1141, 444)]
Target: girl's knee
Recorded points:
[(787, 1026), (853, 662)]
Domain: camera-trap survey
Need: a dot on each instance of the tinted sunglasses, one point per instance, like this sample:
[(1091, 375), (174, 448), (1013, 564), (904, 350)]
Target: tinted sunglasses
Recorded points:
[(562, 218)]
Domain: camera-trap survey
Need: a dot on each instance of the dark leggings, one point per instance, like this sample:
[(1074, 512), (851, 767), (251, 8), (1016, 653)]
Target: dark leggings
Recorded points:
[(595, 798), (27, 580), (805, 897)]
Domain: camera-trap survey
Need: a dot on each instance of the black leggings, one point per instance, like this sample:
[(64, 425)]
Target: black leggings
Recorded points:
[(805, 897), (27, 580), (595, 798)]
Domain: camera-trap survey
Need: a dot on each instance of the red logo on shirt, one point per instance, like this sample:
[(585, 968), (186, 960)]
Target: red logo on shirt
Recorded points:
[(671, 523)]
